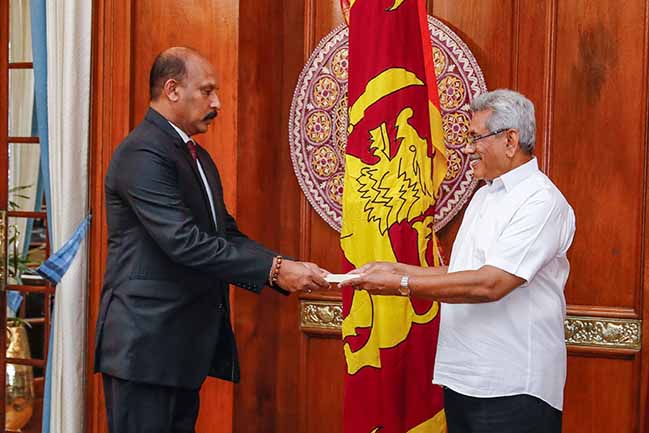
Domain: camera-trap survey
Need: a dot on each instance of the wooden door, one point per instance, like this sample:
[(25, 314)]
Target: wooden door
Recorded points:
[(583, 63), (127, 35)]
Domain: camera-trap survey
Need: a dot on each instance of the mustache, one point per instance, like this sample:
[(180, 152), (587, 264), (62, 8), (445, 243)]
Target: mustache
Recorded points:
[(211, 115)]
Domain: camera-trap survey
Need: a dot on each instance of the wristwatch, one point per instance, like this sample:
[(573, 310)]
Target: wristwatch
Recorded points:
[(404, 290)]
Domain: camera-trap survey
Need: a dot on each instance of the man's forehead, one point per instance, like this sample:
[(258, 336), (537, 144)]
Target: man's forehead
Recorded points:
[(202, 68), (479, 118)]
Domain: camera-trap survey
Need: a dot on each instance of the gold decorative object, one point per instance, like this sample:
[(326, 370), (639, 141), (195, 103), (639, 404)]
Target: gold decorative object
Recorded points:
[(603, 332), (321, 314), (19, 399), (580, 330)]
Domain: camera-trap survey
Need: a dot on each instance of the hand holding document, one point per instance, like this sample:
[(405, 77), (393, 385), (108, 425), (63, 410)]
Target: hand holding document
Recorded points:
[(339, 278), (293, 276)]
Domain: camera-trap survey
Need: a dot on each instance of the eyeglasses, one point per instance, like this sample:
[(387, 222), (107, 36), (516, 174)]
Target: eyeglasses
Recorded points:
[(471, 139)]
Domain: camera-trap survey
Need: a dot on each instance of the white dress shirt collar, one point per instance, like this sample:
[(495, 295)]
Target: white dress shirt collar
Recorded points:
[(517, 175), (180, 132)]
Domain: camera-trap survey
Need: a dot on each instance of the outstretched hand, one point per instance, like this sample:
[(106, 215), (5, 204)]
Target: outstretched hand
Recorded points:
[(376, 282), (371, 267), (294, 276)]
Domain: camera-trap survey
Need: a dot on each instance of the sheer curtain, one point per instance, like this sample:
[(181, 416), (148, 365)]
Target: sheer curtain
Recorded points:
[(23, 158), (68, 89)]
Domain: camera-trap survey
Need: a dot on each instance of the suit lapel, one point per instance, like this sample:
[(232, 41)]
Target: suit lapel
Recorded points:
[(201, 185), (212, 175), (158, 120)]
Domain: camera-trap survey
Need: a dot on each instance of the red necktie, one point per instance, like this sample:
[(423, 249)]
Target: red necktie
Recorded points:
[(192, 149)]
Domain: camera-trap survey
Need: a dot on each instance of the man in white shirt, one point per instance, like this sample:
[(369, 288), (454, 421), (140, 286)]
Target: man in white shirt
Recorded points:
[(501, 354)]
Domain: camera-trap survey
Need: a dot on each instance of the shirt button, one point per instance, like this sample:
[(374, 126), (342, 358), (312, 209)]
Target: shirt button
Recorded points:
[(220, 307)]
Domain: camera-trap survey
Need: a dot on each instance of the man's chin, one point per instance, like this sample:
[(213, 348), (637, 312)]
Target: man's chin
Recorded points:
[(202, 128)]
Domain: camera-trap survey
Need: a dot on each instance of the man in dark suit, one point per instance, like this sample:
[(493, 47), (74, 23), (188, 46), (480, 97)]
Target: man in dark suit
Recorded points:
[(173, 248)]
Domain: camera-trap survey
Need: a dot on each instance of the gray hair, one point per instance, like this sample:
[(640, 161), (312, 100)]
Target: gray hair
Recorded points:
[(509, 109)]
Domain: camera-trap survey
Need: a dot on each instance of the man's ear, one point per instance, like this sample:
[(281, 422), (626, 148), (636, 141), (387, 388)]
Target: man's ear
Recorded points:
[(170, 90), (512, 142)]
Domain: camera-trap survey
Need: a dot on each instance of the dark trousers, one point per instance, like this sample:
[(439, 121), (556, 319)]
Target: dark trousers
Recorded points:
[(513, 414), (133, 407)]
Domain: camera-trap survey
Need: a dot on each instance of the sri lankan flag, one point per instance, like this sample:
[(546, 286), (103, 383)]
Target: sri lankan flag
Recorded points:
[(395, 164)]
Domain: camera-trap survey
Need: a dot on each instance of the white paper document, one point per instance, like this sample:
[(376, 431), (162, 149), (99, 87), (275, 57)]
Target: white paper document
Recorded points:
[(339, 278)]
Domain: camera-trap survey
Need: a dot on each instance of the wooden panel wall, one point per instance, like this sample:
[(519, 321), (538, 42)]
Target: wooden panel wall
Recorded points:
[(571, 59), (598, 140), (583, 63), (128, 35), (268, 207), (110, 121)]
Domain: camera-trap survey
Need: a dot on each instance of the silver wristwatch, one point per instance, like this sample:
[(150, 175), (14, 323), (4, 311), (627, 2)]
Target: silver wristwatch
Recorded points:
[(404, 289)]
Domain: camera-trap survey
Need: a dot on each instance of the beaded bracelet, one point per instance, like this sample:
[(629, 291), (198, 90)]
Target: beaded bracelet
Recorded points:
[(275, 273)]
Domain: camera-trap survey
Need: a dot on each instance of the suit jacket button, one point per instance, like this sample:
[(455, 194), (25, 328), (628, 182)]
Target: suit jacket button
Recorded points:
[(220, 307)]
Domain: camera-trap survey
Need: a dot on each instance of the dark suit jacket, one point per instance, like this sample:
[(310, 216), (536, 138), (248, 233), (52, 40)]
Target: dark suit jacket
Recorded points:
[(164, 314)]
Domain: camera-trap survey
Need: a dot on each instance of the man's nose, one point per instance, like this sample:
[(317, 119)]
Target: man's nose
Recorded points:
[(215, 103), (469, 148)]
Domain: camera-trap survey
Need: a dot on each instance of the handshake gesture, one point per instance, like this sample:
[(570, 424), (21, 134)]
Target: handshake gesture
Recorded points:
[(293, 276), (382, 278)]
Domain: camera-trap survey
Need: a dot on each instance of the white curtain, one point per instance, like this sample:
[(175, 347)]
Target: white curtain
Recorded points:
[(68, 84), (23, 158)]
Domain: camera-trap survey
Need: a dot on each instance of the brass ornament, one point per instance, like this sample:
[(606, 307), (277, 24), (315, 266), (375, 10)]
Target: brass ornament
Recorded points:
[(19, 396), (321, 315), (603, 332), (579, 330), (3, 249)]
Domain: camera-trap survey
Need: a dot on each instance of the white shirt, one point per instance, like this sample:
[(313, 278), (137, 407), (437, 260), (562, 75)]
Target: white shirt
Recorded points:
[(522, 224), (206, 185)]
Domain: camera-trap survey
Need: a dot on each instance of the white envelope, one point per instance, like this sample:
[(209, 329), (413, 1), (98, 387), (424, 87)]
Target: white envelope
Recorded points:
[(340, 278)]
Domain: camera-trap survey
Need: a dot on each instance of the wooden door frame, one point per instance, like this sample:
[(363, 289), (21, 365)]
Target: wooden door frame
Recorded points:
[(110, 116)]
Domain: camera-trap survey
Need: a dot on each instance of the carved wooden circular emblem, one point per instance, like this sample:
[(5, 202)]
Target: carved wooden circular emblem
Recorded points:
[(318, 121)]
